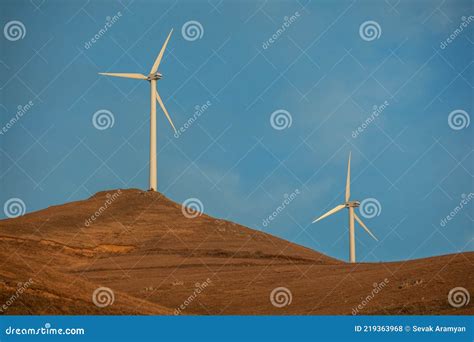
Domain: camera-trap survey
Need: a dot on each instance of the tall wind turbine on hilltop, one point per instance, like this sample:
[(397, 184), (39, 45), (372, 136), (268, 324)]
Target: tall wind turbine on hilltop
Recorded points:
[(352, 215), (154, 96)]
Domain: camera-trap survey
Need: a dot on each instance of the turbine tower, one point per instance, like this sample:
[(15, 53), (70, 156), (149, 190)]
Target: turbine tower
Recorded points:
[(153, 77), (352, 215)]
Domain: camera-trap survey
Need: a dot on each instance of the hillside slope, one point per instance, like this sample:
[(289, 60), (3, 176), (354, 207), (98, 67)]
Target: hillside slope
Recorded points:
[(158, 261)]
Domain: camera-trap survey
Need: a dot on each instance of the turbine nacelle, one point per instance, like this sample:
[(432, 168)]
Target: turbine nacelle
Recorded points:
[(156, 76), (352, 204)]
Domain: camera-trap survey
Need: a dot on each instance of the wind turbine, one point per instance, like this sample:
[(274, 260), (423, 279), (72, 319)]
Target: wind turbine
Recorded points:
[(153, 77), (352, 215)]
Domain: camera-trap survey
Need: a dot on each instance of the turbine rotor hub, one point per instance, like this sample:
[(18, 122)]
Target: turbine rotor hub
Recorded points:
[(352, 204), (155, 76)]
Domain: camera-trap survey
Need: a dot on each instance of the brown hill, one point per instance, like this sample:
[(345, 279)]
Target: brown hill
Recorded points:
[(158, 261)]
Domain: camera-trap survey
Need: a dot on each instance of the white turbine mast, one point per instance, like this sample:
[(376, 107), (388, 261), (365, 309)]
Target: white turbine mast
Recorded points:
[(352, 215), (153, 77)]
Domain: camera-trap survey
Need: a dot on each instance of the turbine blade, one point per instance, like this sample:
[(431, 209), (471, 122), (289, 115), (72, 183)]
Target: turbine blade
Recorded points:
[(330, 212), (160, 55), (135, 76), (364, 226), (348, 180), (158, 98)]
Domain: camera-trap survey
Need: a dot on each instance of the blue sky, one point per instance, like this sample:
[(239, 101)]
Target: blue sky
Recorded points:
[(319, 69)]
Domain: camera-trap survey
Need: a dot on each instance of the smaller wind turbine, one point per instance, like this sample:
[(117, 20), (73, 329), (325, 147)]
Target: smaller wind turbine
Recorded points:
[(352, 215)]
